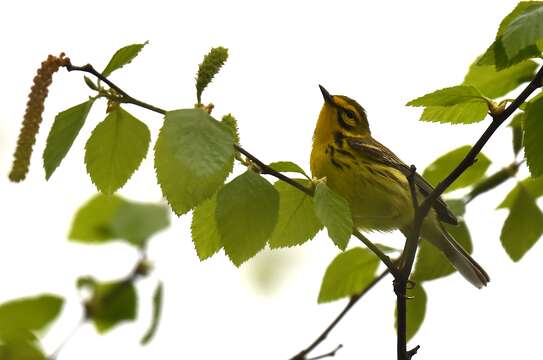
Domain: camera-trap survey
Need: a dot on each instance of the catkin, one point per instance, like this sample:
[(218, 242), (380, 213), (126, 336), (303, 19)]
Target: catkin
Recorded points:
[(33, 115)]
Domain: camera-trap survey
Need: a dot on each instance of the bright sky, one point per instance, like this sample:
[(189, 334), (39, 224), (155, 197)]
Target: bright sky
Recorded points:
[(380, 53)]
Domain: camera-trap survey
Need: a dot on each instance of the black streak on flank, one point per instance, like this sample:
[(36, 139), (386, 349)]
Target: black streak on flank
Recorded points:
[(345, 153), (336, 163)]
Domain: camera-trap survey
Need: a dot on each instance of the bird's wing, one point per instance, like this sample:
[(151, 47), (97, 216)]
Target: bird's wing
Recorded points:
[(376, 151)]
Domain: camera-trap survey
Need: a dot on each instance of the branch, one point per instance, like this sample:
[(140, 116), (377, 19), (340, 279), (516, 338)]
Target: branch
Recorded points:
[(265, 169), (497, 120), (302, 355), (410, 249)]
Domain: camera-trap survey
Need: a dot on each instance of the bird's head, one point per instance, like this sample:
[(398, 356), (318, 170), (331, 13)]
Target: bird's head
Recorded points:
[(340, 113)]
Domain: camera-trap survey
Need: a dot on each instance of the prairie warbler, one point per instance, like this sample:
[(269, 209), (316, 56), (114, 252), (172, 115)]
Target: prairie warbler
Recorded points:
[(373, 180)]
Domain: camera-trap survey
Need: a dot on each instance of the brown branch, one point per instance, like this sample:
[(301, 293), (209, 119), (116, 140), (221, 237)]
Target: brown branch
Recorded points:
[(302, 355)]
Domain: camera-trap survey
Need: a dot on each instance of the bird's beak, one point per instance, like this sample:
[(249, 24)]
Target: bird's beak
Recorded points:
[(326, 95)]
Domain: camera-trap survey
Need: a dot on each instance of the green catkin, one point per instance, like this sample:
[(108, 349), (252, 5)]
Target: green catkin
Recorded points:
[(209, 67), (33, 115)]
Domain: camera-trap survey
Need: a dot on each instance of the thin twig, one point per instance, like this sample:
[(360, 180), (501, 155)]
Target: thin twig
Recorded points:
[(54, 354), (302, 355), (328, 354)]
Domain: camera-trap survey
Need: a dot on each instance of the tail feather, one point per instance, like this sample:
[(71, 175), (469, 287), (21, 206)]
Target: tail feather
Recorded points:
[(460, 259)]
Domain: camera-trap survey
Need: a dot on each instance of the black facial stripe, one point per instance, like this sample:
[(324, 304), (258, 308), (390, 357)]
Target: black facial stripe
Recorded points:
[(338, 138), (342, 122)]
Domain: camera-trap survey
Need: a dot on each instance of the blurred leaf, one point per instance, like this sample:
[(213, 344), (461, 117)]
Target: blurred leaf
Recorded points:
[(494, 83), (20, 349), (157, 309), (105, 218), (137, 222), (297, 221), (122, 57), (533, 134), (288, 166), (62, 135), (457, 206), (246, 214), (534, 187), (440, 168), (517, 129), (492, 181), (524, 30), (115, 150), (205, 234), (194, 154), (464, 113), (31, 313), (431, 262), (449, 96), (112, 303), (348, 274), (416, 310), (209, 67), (92, 222), (523, 226), (334, 212), (91, 84)]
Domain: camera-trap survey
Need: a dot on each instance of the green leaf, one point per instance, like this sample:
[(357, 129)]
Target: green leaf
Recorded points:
[(111, 303), (246, 214), (517, 129), (524, 30), (194, 154), (523, 226), (495, 55), (31, 313), (493, 83), (457, 206), (416, 310), (449, 96), (348, 274), (334, 212), (122, 57), (157, 309), (105, 218), (464, 113), (115, 150), (137, 222), (209, 67), (205, 234), (440, 168), (534, 187), (533, 134), (288, 166), (297, 221), (92, 222), (20, 349), (62, 135), (431, 263)]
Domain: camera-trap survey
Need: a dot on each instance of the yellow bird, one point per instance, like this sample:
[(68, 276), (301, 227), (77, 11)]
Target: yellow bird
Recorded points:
[(372, 179)]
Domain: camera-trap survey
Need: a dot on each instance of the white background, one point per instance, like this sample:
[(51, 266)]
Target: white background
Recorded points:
[(380, 53)]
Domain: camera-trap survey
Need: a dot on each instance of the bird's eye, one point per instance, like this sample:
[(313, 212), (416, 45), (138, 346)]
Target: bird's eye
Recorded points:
[(349, 113)]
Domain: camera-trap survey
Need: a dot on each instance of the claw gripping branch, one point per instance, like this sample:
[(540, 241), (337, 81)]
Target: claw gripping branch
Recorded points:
[(33, 113)]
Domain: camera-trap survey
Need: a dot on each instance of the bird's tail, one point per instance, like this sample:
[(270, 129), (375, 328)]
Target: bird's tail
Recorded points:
[(459, 258)]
